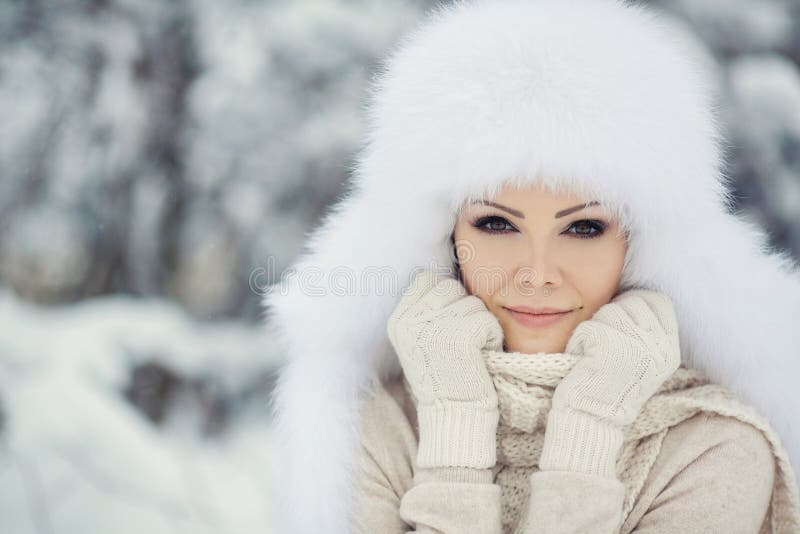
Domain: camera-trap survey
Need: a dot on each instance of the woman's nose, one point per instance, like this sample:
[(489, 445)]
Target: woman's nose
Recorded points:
[(538, 267)]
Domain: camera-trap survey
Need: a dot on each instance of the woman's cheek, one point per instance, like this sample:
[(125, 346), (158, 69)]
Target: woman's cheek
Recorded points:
[(484, 275)]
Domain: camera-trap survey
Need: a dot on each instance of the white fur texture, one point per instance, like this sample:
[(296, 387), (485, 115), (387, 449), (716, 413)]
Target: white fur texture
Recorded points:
[(600, 96)]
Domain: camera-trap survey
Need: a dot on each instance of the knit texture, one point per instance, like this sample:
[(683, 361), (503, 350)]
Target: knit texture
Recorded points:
[(632, 346), (438, 331), (525, 384), (580, 442), (629, 347)]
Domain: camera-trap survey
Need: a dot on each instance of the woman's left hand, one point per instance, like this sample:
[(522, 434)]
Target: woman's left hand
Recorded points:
[(628, 348)]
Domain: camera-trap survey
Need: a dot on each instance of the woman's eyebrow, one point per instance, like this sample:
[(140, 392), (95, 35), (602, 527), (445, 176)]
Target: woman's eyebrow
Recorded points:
[(521, 215), (567, 211), (512, 211)]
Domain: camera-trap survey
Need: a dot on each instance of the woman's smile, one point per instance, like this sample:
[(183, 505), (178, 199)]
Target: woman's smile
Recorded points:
[(531, 320)]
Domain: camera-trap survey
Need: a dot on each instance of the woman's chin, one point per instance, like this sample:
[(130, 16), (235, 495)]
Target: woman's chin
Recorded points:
[(533, 341)]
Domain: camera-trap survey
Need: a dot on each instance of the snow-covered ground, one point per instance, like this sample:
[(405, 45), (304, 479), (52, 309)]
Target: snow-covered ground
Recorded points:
[(78, 455)]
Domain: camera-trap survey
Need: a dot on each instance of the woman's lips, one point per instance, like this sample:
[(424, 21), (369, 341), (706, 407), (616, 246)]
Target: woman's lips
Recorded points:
[(537, 320)]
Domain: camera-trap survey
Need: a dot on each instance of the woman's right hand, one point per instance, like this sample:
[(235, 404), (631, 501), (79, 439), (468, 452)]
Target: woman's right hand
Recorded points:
[(439, 332)]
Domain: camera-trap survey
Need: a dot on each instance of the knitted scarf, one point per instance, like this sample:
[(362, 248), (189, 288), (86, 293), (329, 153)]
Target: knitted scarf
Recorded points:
[(525, 384)]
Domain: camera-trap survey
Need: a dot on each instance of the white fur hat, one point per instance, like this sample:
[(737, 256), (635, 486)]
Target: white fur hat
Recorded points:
[(603, 97)]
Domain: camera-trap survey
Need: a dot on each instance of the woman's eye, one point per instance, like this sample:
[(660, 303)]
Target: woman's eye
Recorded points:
[(493, 225), (583, 229), (587, 229)]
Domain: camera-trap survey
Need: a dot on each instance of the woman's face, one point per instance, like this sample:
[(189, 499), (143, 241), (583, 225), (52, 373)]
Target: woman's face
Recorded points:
[(535, 248)]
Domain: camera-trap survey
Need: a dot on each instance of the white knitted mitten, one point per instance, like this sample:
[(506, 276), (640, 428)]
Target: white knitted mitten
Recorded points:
[(439, 332), (628, 348)]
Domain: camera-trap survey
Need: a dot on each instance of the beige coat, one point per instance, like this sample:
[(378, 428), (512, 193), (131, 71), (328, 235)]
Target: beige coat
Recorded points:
[(713, 474)]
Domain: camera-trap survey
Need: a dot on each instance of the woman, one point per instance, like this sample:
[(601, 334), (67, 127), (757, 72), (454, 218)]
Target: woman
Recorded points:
[(588, 423), (459, 472)]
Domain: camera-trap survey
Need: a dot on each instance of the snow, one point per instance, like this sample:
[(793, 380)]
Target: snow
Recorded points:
[(78, 456)]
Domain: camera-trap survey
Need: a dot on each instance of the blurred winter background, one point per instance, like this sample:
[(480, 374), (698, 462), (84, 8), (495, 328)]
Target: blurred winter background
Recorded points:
[(160, 163)]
